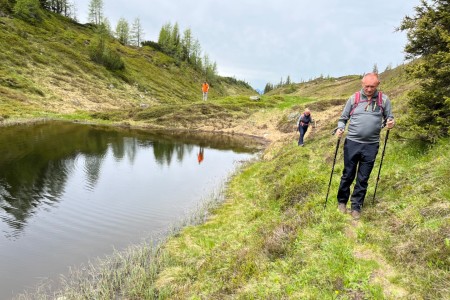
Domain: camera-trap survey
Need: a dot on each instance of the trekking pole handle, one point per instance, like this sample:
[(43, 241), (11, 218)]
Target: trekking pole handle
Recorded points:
[(385, 121), (335, 130)]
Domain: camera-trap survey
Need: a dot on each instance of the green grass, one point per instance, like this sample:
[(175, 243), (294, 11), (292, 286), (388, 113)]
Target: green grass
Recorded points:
[(293, 101), (271, 238), (275, 240), (42, 62)]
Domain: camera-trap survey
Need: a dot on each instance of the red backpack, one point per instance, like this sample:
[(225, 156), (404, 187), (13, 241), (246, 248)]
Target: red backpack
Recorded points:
[(358, 99)]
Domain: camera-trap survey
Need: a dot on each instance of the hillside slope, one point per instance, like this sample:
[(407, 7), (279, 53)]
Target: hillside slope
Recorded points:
[(393, 82), (274, 239), (45, 69)]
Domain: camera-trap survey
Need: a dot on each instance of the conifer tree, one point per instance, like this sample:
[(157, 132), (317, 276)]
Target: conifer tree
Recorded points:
[(196, 55), (288, 80), (175, 36), (209, 68), (136, 33), (95, 14), (164, 39), (268, 87), (428, 35), (63, 7), (375, 69), (186, 45), (45, 4), (123, 31), (106, 25)]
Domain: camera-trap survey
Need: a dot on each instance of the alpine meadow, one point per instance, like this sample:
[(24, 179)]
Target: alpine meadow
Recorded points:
[(268, 234)]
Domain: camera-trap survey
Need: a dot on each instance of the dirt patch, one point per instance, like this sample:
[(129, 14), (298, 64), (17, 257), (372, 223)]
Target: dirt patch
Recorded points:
[(384, 275), (264, 124)]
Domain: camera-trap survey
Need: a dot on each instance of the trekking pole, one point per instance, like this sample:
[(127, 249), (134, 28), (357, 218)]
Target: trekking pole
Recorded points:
[(381, 163), (332, 169)]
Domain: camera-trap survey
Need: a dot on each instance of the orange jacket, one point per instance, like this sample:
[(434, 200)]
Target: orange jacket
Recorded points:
[(205, 87), (200, 157)]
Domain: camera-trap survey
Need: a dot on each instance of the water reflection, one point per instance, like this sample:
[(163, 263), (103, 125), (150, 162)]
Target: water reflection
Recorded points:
[(36, 161), (200, 155), (71, 192)]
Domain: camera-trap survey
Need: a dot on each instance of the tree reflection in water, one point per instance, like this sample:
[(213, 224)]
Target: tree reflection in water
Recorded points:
[(36, 160)]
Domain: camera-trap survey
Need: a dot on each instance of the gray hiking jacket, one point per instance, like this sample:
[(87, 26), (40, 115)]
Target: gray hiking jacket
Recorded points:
[(367, 118)]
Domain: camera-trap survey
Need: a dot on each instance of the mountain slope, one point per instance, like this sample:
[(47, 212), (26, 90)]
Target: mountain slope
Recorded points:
[(45, 68)]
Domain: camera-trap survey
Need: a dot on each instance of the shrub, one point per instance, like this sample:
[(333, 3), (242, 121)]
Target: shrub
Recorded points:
[(29, 10), (152, 44), (101, 54), (112, 60), (5, 6)]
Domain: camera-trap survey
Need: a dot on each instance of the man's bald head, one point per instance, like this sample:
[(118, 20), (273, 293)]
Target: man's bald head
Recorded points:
[(370, 84)]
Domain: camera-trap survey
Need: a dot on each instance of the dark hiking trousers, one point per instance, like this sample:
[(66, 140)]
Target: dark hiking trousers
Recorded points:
[(302, 130), (359, 159)]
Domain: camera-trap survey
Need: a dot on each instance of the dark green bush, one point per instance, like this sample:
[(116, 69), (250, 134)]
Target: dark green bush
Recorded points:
[(28, 10), (106, 57), (152, 44), (6, 6)]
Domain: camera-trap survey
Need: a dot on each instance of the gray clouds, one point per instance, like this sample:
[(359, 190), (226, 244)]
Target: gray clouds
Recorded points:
[(263, 41)]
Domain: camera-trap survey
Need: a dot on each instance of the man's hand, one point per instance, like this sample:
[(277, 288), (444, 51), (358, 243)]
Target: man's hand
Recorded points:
[(339, 132), (390, 123)]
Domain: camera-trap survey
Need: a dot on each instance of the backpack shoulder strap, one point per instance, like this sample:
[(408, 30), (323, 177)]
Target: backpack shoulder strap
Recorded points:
[(357, 98), (356, 102), (380, 102)]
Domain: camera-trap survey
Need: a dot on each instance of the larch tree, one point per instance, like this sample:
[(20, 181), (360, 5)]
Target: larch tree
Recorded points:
[(196, 55), (186, 45), (95, 12), (164, 38), (175, 42), (136, 33), (107, 26), (123, 31)]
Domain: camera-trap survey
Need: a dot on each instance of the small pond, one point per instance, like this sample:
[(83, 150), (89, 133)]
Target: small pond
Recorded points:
[(70, 193)]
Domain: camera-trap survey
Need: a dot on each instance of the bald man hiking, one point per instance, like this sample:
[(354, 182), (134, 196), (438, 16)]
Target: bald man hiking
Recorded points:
[(368, 110)]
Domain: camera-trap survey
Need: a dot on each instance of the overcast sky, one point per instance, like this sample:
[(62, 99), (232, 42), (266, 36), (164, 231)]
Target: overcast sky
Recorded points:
[(262, 41)]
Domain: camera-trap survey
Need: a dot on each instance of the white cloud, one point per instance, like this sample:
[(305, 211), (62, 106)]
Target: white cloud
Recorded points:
[(262, 41)]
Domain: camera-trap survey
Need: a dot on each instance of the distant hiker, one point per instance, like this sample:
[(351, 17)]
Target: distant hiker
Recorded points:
[(205, 89), (302, 124), (367, 111), (200, 155)]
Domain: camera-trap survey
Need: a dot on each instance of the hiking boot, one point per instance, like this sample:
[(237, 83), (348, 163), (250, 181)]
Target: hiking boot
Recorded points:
[(356, 215), (342, 208)]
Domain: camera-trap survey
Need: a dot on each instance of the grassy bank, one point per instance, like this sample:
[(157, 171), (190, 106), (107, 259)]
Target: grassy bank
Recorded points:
[(272, 238)]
